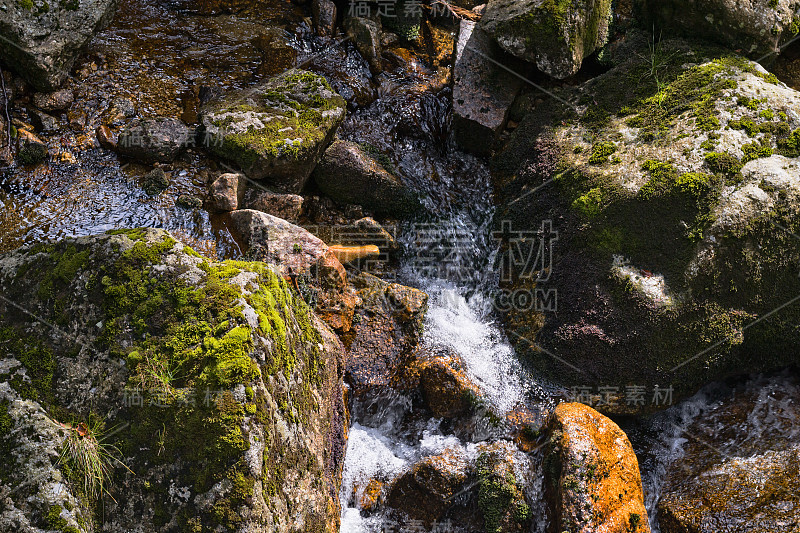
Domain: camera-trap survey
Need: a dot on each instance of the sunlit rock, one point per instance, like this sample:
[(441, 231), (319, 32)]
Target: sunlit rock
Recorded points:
[(275, 132), (227, 192), (592, 474)]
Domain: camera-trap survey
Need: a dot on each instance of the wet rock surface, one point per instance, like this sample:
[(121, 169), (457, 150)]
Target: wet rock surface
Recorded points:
[(738, 470), (447, 426), (385, 334), (42, 41), (286, 206)]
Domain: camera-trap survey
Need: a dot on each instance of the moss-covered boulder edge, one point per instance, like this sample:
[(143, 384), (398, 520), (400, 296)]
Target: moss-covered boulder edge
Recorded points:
[(276, 132), (219, 387), (672, 181)]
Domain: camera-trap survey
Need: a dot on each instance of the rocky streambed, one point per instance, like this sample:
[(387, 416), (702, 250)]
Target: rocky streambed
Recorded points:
[(398, 266)]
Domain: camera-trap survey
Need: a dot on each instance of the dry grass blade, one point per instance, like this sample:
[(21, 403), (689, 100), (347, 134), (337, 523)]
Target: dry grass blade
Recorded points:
[(90, 461)]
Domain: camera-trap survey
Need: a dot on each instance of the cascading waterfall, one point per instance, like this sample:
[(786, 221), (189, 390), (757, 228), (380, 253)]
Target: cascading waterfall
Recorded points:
[(460, 317)]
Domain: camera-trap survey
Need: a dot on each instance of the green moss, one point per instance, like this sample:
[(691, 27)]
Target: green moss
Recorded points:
[(750, 127), (500, 499), (25, 4), (767, 114), (634, 519), (136, 234), (595, 117), (708, 144), (589, 204), (5, 418), (601, 152), (790, 146), (67, 265), (696, 90), (724, 164), (226, 511), (38, 360), (755, 151)]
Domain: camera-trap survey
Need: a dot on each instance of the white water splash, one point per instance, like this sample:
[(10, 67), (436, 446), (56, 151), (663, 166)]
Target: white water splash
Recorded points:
[(462, 325)]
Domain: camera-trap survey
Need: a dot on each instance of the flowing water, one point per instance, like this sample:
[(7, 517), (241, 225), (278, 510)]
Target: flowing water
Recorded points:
[(450, 256), (162, 56)]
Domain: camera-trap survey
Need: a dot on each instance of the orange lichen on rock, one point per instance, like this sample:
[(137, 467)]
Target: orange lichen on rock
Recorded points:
[(345, 254), (599, 486), (372, 496)]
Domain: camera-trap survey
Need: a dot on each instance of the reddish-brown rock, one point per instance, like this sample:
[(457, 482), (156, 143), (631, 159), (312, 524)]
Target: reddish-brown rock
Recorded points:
[(426, 491), (226, 192), (385, 333), (592, 473)]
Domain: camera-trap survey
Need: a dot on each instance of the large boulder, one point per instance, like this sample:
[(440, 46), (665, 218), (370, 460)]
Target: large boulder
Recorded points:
[(592, 474), (483, 90), (278, 131), (754, 27), (173, 392), (555, 35), (349, 175), (673, 198), (739, 467), (42, 39)]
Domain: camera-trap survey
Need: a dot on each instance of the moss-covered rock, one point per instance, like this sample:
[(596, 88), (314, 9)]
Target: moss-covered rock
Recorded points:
[(592, 474), (756, 27), (739, 466), (278, 131), (555, 35), (214, 384), (669, 206)]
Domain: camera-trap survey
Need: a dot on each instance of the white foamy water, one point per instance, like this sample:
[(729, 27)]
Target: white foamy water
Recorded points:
[(462, 325), (373, 455)]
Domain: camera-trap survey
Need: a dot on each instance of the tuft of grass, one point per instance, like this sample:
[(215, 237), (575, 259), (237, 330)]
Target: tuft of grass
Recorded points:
[(88, 460)]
